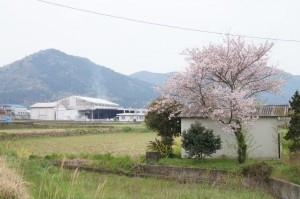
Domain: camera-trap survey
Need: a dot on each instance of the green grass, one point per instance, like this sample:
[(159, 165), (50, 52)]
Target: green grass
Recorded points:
[(102, 161), (47, 181), (133, 143), (118, 151), (286, 168)]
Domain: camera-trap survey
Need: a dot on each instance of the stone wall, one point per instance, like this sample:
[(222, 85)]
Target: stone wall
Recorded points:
[(276, 187), (186, 173), (283, 189)]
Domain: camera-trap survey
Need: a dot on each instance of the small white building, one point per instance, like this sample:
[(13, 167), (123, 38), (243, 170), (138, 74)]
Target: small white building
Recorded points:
[(132, 115), (16, 111), (263, 138), (45, 111)]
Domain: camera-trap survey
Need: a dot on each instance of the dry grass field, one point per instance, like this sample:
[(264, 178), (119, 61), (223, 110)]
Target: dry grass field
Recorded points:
[(131, 143)]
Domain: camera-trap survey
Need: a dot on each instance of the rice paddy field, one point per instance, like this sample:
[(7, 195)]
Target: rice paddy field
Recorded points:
[(120, 148), (119, 144)]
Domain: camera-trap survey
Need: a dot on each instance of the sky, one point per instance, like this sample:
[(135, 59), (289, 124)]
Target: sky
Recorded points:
[(28, 26)]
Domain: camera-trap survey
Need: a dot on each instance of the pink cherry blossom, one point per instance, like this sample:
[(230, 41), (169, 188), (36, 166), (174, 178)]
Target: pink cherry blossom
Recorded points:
[(224, 80)]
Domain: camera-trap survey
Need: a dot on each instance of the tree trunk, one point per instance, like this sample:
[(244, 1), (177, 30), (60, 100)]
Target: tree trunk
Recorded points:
[(242, 146)]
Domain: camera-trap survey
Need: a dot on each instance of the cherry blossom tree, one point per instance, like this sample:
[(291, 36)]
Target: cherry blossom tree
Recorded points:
[(222, 82)]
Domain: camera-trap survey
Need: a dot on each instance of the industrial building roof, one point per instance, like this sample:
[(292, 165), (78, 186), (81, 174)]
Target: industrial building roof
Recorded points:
[(44, 105), (98, 101), (262, 111), (16, 106)]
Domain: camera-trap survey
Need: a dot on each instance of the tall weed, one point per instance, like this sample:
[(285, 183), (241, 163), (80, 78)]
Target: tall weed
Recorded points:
[(12, 186)]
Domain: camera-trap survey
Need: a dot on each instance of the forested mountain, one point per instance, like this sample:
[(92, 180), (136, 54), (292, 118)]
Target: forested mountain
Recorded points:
[(154, 78), (51, 74)]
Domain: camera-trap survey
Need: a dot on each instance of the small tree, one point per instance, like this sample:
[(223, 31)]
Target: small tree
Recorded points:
[(293, 134), (162, 117), (200, 142)]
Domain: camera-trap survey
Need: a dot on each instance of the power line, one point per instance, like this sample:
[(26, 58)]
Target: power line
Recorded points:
[(166, 25)]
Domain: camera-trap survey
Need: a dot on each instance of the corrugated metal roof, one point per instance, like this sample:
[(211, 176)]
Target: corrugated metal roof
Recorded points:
[(263, 111), (97, 100), (44, 105), (273, 111)]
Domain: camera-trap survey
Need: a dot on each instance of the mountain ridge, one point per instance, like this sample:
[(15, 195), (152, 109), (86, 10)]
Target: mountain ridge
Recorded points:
[(50, 74)]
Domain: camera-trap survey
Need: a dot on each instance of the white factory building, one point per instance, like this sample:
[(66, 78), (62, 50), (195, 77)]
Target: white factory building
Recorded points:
[(76, 108)]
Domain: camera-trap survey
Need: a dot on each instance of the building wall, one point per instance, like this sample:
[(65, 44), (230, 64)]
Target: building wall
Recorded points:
[(262, 137), (42, 113), (131, 118), (68, 115), (20, 113)]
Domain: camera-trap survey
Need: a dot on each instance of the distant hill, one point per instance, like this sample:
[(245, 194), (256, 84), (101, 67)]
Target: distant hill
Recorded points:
[(154, 78), (288, 89), (51, 74)]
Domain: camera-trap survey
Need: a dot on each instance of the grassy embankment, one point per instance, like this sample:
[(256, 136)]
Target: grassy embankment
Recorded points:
[(50, 182)]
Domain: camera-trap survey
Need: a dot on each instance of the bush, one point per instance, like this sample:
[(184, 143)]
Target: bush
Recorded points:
[(200, 142), (293, 134), (157, 145), (127, 129), (260, 171), (163, 118)]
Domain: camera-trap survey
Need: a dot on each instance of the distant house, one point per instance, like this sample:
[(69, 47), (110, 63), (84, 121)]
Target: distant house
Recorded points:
[(263, 137), (19, 111), (132, 115), (15, 111)]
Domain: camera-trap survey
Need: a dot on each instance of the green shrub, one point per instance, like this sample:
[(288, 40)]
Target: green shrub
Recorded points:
[(157, 145), (163, 118), (127, 129), (260, 171), (200, 142)]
